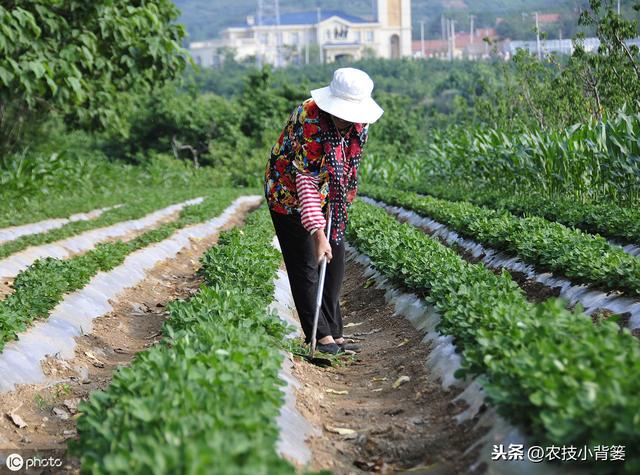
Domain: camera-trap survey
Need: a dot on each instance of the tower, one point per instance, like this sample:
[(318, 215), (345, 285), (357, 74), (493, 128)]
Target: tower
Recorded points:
[(394, 17), (269, 12)]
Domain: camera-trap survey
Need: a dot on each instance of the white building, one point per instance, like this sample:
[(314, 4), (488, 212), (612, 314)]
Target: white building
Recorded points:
[(566, 47), (313, 36)]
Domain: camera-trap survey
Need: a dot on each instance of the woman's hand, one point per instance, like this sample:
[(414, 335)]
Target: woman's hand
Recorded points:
[(323, 248)]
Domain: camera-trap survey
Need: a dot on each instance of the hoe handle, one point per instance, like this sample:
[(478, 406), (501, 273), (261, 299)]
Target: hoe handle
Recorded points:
[(323, 271)]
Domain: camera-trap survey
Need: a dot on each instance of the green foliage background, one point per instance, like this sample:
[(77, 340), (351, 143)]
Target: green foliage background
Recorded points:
[(77, 58), (491, 123)]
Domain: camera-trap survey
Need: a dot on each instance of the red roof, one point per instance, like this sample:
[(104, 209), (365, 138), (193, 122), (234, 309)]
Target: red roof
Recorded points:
[(463, 40), (549, 17)]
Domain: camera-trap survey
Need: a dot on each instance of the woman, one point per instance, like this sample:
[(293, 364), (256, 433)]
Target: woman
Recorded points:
[(314, 168)]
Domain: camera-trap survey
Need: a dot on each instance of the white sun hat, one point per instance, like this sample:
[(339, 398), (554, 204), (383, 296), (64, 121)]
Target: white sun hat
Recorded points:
[(349, 97)]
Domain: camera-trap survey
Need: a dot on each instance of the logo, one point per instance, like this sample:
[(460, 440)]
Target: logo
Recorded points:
[(14, 462)]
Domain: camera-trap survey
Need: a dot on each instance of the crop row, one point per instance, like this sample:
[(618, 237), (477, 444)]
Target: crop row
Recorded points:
[(29, 209), (147, 202), (582, 257), (206, 398), (40, 287), (66, 180), (610, 220), (555, 373)]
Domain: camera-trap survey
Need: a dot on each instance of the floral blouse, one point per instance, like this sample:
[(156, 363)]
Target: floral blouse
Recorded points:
[(299, 171)]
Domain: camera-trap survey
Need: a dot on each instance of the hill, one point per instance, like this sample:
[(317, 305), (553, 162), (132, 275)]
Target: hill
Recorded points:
[(205, 18)]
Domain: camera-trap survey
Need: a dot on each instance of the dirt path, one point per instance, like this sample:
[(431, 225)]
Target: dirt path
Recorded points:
[(49, 409), (408, 428)]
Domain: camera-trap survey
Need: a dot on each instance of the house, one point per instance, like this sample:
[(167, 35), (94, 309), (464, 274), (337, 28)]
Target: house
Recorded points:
[(321, 35), (465, 46), (562, 47), (546, 18)]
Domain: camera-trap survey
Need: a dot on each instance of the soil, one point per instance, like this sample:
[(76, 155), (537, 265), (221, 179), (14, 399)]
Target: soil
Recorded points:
[(6, 287), (535, 291), (408, 428), (49, 409), (622, 319)]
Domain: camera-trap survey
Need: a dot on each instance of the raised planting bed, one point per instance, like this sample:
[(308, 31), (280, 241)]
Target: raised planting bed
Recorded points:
[(14, 232), (583, 257), (609, 220), (563, 379), (40, 287), (538, 285), (206, 398), (148, 202)]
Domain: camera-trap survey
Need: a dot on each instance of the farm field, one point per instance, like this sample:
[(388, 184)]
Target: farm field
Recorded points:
[(491, 274)]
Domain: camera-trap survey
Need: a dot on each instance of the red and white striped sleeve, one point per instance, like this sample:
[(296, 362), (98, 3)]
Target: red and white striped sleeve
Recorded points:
[(310, 204)]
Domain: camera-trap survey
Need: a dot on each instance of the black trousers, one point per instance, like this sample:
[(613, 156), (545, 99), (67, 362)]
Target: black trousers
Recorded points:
[(299, 253)]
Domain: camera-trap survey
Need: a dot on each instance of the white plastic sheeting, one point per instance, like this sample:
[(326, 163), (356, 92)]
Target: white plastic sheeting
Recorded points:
[(443, 361), (591, 299), (14, 264), (294, 429), (20, 360), (632, 249), (503, 433), (14, 232)]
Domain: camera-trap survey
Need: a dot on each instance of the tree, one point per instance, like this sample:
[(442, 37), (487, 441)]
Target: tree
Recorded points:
[(76, 57), (368, 53), (505, 29), (264, 110), (611, 77)]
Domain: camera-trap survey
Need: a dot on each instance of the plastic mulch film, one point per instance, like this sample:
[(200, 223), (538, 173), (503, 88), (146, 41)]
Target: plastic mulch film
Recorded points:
[(590, 298), (14, 264), (294, 429), (632, 249), (20, 362), (443, 361), (14, 232)]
